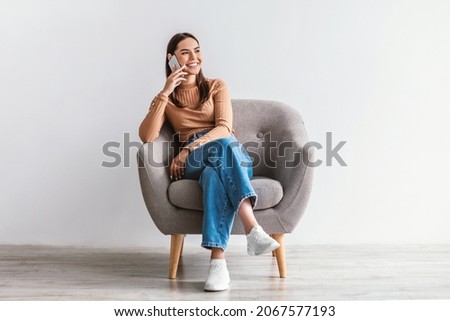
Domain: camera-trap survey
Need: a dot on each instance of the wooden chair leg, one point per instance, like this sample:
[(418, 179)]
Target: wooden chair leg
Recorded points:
[(176, 245), (273, 252), (281, 255), (182, 246)]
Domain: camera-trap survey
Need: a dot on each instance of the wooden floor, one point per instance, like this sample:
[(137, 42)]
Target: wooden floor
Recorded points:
[(314, 273)]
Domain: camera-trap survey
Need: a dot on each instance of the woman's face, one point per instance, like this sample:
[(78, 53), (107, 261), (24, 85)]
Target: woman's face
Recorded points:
[(188, 53)]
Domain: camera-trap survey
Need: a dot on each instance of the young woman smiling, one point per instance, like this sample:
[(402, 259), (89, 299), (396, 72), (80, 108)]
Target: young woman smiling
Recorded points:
[(200, 111)]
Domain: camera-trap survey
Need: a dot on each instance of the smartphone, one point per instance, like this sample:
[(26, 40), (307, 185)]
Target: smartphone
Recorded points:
[(174, 64)]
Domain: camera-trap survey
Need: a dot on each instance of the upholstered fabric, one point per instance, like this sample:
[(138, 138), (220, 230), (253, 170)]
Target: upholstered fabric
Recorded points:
[(186, 193), (274, 135)]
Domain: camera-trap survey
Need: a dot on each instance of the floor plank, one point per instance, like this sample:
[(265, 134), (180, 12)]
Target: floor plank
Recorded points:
[(316, 272)]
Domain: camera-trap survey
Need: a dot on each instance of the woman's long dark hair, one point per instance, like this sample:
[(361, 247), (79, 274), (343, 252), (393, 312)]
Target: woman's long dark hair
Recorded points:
[(200, 80)]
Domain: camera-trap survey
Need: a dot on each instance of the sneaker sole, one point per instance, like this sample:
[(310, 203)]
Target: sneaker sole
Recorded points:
[(218, 289)]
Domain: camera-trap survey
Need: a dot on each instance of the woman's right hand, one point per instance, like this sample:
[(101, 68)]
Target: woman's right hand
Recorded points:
[(174, 79)]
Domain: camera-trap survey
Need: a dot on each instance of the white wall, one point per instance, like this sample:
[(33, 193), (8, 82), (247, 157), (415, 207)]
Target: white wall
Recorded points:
[(77, 74)]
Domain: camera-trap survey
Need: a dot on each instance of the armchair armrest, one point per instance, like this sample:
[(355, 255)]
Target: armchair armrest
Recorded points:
[(291, 164), (153, 163)]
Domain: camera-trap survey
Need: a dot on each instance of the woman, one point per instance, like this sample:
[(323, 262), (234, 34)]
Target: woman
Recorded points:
[(199, 110)]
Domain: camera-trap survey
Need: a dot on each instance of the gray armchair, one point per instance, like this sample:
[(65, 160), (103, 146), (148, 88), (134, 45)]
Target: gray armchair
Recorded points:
[(274, 136)]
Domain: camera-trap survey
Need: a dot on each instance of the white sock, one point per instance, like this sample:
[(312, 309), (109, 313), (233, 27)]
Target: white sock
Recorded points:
[(218, 261)]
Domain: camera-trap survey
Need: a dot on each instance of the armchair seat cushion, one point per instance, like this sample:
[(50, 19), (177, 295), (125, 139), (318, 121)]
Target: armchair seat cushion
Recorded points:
[(187, 194)]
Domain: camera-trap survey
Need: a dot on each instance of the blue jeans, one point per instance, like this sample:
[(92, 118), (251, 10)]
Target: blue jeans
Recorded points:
[(223, 170)]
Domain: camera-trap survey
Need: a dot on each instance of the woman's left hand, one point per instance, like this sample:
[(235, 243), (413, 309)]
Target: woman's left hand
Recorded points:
[(178, 164)]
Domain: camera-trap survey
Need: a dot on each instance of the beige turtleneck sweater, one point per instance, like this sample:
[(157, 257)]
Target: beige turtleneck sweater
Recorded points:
[(215, 114)]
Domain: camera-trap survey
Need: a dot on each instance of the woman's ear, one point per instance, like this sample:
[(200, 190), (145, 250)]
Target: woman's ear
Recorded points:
[(169, 56)]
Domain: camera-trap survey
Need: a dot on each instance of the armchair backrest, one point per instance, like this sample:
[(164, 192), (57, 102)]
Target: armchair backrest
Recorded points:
[(263, 127)]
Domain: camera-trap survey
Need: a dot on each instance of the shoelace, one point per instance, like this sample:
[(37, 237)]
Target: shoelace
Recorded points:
[(259, 237)]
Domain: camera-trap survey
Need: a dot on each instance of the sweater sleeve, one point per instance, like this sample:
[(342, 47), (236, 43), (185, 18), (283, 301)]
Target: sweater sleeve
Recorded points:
[(154, 120), (223, 116)]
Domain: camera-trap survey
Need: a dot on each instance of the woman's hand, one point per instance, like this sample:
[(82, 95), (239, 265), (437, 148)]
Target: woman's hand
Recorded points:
[(178, 164), (174, 79)]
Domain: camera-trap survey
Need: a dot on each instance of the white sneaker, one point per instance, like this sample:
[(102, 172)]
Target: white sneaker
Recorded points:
[(218, 278), (259, 242)]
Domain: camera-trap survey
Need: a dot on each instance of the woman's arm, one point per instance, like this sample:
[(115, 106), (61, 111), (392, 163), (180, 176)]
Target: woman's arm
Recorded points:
[(152, 123), (223, 115)]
